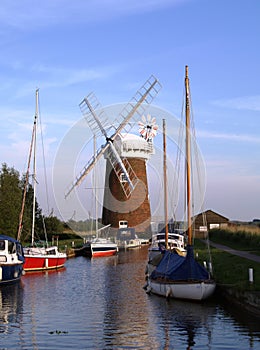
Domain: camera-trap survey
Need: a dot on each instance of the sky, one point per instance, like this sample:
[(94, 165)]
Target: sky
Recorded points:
[(69, 48)]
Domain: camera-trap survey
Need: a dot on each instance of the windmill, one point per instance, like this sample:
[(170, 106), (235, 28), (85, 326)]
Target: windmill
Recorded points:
[(147, 127), (134, 211), (123, 172)]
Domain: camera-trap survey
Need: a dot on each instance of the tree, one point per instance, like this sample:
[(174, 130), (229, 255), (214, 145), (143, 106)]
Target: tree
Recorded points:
[(10, 200), (11, 194)]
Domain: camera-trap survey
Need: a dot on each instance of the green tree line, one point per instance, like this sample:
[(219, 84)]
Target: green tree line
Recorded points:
[(11, 193)]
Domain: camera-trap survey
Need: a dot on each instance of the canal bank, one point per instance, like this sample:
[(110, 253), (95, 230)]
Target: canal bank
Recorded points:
[(248, 298)]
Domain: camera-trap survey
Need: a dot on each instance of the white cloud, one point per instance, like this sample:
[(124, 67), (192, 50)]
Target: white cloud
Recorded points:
[(22, 14), (228, 137), (53, 77), (251, 103)]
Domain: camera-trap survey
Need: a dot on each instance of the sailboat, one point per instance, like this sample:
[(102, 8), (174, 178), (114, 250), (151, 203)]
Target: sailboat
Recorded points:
[(177, 276), (167, 237), (100, 247), (37, 258)]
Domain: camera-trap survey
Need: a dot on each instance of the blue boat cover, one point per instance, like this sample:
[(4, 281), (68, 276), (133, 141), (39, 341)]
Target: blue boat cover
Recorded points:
[(178, 268)]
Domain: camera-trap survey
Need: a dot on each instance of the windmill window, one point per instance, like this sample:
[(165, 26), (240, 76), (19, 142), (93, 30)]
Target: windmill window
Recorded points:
[(123, 178)]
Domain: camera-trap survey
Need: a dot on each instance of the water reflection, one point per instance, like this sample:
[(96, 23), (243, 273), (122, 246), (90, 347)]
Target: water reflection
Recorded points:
[(182, 322), (247, 323), (125, 316), (100, 304), (11, 305)]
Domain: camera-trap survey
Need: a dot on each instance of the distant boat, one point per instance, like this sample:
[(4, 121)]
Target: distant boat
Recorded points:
[(101, 245), (177, 276), (37, 258), (175, 242), (127, 238), (11, 260)]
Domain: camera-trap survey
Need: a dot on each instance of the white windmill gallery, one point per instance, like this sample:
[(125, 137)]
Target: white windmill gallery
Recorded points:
[(126, 195)]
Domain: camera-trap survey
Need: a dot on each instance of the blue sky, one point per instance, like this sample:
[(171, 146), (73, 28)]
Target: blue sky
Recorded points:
[(68, 49)]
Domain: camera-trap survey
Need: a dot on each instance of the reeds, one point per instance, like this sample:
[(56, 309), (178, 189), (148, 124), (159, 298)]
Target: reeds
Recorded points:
[(242, 237)]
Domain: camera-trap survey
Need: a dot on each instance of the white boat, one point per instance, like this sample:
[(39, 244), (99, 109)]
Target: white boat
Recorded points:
[(176, 242), (100, 246), (177, 276), (11, 260), (37, 258), (127, 238)]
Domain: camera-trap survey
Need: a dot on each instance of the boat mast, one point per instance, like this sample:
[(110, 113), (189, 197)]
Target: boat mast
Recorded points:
[(34, 165), (188, 155), (95, 187), (20, 227), (165, 186)]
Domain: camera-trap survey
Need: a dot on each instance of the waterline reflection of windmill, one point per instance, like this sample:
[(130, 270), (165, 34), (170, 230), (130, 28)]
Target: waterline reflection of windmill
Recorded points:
[(98, 123)]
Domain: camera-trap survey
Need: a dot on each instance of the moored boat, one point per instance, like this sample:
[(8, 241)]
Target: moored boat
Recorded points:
[(173, 275), (41, 259), (11, 260), (176, 242), (127, 238), (100, 247), (45, 257)]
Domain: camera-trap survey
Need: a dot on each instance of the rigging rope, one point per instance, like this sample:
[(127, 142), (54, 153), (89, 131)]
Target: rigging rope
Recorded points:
[(44, 162)]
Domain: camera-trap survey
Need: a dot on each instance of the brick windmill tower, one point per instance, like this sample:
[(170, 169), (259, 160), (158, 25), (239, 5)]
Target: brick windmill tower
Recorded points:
[(118, 207), (126, 191)]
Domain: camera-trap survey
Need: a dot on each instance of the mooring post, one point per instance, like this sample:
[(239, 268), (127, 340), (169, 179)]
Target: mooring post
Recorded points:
[(251, 275)]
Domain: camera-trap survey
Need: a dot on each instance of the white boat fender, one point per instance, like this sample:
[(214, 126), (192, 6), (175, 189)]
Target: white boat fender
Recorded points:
[(148, 289), (168, 292)]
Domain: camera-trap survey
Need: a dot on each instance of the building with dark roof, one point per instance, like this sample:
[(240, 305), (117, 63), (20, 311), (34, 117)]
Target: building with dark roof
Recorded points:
[(208, 220)]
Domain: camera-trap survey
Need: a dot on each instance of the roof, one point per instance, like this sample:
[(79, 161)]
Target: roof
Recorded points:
[(8, 238), (211, 212)]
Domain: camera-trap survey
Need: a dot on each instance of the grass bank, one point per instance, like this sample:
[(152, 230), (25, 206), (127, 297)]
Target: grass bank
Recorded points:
[(230, 270)]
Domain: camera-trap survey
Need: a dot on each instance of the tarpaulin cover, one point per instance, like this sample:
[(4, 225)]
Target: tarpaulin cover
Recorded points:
[(179, 268)]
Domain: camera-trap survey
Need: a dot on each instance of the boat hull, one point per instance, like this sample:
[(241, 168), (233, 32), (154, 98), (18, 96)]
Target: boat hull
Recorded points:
[(41, 259), (40, 263), (85, 250), (99, 250), (132, 244), (182, 290), (10, 273)]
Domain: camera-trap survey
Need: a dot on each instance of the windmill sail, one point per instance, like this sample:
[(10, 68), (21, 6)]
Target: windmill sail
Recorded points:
[(95, 115), (97, 121), (86, 170), (136, 107)]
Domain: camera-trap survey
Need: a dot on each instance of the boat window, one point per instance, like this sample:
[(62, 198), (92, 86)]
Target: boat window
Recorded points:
[(161, 237), (2, 245), (51, 252), (19, 249), (11, 247)]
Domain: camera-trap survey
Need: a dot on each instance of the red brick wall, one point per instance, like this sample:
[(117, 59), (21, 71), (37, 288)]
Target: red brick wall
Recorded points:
[(136, 208)]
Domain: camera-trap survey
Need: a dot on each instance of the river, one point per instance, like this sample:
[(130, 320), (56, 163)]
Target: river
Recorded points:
[(100, 304)]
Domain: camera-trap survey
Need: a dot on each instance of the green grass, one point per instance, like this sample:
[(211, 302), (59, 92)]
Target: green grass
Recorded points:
[(228, 269)]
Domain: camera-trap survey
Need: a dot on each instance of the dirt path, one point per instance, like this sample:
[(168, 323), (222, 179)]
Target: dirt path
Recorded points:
[(240, 253)]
